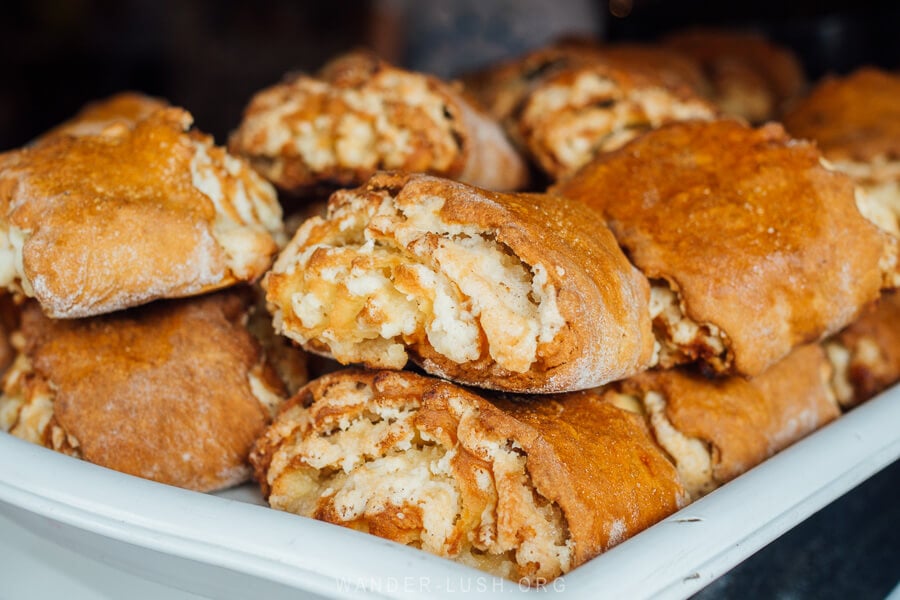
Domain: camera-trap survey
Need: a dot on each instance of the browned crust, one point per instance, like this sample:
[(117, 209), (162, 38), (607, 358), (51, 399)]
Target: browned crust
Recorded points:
[(483, 156), (115, 220), (880, 329), (160, 392), (856, 117), (596, 462), (603, 299), (746, 421), (744, 235), (673, 68), (748, 62), (124, 108)]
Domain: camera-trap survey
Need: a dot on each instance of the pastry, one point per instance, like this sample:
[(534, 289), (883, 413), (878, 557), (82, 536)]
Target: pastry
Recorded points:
[(855, 121), (361, 114), (102, 222), (174, 391), (585, 110), (517, 292), (122, 109), (750, 76), (526, 489), (717, 429), (752, 246), (866, 355)]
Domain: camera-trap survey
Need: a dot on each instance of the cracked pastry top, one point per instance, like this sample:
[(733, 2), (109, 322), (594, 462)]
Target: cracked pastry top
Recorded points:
[(102, 221), (749, 76), (359, 115), (174, 391), (519, 292), (524, 489), (752, 246)]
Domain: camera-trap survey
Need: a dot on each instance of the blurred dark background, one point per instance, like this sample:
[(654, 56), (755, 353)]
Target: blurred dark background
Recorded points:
[(210, 56)]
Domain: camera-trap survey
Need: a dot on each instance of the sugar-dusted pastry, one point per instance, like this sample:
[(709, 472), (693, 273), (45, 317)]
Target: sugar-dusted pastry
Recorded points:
[(750, 76), (752, 246), (518, 292), (101, 222), (122, 109), (855, 121), (359, 115), (866, 355), (175, 391), (582, 111), (526, 489), (716, 429)]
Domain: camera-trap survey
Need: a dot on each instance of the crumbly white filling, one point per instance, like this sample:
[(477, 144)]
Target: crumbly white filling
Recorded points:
[(374, 130), (692, 457), (356, 470), (676, 331), (247, 208), (389, 275), (593, 114)]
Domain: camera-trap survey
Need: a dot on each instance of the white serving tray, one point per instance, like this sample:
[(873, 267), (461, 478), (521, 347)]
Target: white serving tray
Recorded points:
[(227, 546)]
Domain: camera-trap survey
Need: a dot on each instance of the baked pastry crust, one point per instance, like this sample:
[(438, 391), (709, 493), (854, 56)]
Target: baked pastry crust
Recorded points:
[(175, 392), (524, 488), (738, 422), (122, 109), (750, 76), (98, 223), (517, 292), (361, 114), (758, 240)]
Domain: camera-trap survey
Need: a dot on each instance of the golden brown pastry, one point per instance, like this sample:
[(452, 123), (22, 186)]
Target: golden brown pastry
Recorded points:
[(752, 246), (716, 429), (175, 392), (582, 111), (866, 355), (526, 489), (750, 76), (674, 68), (122, 109), (98, 223), (518, 292), (359, 115), (855, 121)]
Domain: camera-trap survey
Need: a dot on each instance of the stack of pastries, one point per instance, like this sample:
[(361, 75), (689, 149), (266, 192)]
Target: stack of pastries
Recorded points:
[(513, 377)]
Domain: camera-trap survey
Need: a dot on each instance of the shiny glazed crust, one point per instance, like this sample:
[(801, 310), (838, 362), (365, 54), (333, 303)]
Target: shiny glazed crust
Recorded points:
[(525, 489), (98, 223), (741, 224), (361, 114), (525, 293), (175, 392)]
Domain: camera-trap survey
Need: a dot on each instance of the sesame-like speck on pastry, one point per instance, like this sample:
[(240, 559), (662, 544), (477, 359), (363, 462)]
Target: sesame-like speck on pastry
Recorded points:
[(518, 292), (752, 246), (95, 223), (523, 488), (174, 391), (360, 114)]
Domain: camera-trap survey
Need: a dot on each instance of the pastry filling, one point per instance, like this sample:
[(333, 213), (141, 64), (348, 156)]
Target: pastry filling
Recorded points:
[(380, 275), (692, 457), (572, 121), (377, 466), (679, 339), (247, 209), (392, 121)]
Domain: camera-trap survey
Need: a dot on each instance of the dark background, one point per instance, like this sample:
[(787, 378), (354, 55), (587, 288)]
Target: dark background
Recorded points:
[(211, 56)]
